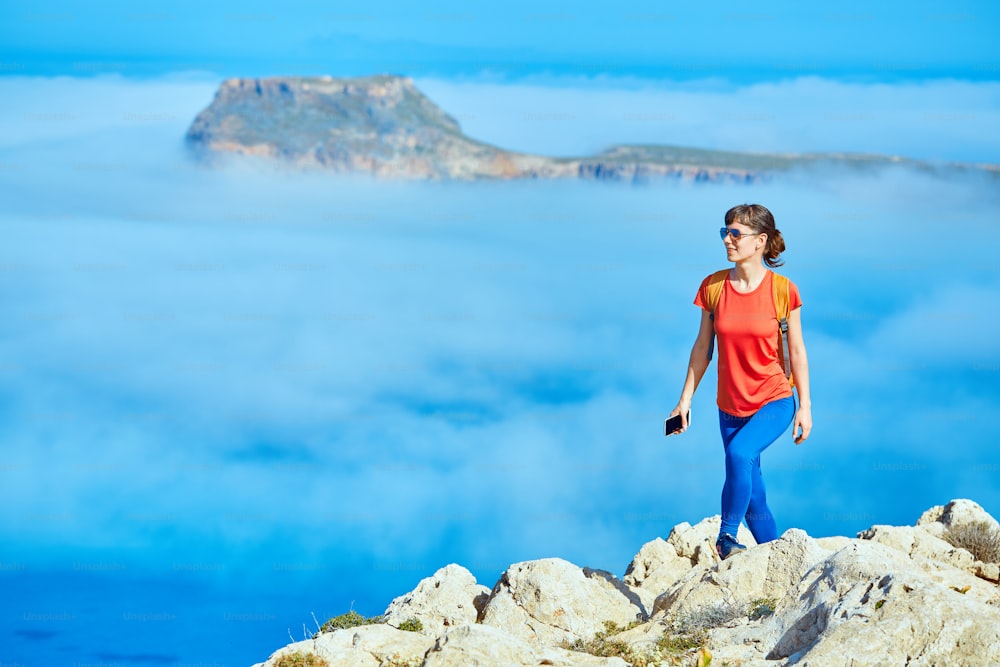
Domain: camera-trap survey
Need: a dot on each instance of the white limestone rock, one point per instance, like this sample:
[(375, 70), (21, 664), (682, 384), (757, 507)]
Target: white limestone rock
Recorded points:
[(487, 646), (697, 542), (931, 626), (654, 569), (765, 571), (870, 604), (446, 599), (958, 512), (551, 601), (919, 544), (988, 571), (364, 646), (833, 543)]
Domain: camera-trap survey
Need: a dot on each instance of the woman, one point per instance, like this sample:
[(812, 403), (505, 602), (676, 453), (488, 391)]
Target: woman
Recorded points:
[(755, 398)]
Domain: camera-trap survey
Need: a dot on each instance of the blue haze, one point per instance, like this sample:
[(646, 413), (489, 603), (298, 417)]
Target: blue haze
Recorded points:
[(888, 41), (234, 398)]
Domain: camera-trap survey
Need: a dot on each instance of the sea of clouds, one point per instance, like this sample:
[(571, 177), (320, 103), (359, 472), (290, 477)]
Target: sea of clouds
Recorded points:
[(233, 397)]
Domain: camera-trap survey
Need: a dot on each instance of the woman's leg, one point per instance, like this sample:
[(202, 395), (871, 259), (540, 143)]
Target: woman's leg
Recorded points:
[(759, 518), (730, 425), (744, 438)]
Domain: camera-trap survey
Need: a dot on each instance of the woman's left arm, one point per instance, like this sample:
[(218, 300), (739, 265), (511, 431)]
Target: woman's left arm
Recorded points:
[(800, 371)]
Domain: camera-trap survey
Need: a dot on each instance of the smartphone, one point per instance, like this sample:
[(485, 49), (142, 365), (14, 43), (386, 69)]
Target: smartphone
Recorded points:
[(672, 425)]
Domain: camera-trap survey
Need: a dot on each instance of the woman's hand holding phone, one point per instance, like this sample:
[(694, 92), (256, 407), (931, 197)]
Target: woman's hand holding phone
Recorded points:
[(677, 422)]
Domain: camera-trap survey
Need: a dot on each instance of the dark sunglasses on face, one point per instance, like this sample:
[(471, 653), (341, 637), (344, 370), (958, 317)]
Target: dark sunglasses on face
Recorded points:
[(735, 233)]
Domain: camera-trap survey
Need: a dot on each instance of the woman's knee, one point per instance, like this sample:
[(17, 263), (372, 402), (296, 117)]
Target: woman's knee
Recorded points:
[(758, 500), (740, 458)]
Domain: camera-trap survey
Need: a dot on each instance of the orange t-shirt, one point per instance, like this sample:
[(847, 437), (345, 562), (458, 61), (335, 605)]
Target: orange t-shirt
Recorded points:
[(747, 338)]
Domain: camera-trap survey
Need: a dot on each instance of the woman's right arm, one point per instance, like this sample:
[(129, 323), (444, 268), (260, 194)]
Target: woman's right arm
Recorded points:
[(697, 365)]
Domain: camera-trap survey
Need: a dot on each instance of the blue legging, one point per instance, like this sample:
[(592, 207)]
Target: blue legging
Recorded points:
[(744, 438)]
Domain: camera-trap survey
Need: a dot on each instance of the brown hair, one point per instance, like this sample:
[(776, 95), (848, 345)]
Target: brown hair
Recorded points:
[(760, 220)]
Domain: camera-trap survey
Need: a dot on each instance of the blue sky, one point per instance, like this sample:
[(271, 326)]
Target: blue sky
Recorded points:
[(231, 398), (870, 41)]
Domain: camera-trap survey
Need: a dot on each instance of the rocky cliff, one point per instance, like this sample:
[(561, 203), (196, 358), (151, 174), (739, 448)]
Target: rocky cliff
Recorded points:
[(384, 126), (893, 595)]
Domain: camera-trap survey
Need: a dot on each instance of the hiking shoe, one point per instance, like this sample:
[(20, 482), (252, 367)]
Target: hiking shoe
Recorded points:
[(727, 545)]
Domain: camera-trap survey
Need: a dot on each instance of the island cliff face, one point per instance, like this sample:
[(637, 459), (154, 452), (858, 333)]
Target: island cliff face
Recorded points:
[(384, 126), (893, 595)]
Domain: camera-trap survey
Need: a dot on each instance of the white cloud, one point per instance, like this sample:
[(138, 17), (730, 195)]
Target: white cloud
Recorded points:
[(934, 120)]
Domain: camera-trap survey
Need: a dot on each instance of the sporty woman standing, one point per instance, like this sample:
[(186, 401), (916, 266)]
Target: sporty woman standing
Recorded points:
[(755, 398)]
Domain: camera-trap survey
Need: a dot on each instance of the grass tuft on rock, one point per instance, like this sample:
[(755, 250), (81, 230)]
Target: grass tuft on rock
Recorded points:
[(603, 645), (706, 618), (761, 607), (981, 539), (351, 619), (673, 648), (300, 659), (411, 624)]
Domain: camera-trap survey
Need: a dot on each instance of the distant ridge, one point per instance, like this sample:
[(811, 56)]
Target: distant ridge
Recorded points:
[(383, 125)]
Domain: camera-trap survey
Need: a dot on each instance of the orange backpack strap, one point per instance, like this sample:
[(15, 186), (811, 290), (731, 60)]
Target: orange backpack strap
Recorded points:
[(714, 288), (780, 290)]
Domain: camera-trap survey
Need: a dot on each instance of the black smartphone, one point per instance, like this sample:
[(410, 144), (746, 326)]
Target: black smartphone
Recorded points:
[(672, 425)]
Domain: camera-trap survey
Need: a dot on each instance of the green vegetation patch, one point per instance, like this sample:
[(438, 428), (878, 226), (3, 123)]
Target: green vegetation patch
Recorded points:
[(672, 648), (602, 644), (761, 607), (300, 659), (411, 624), (351, 619)]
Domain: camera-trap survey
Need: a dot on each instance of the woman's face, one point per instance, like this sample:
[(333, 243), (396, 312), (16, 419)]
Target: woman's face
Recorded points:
[(748, 244)]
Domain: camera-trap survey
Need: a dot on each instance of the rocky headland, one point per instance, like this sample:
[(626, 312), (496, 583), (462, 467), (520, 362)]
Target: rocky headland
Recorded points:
[(893, 595), (384, 126)]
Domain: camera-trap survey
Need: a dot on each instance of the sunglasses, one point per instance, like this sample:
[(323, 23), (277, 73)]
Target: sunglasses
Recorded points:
[(735, 233)]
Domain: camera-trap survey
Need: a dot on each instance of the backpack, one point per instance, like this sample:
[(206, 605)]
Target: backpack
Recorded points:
[(779, 290)]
